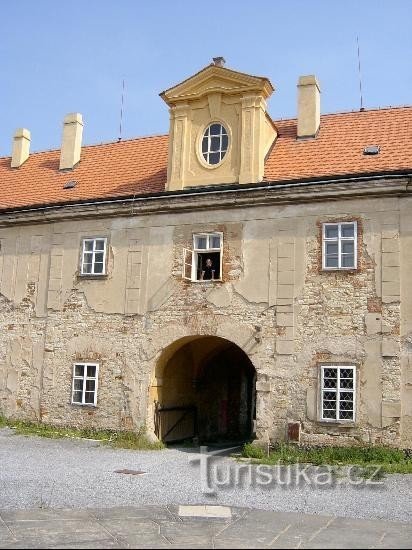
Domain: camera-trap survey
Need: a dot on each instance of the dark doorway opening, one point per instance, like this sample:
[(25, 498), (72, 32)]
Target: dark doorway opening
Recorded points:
[(207, 392)]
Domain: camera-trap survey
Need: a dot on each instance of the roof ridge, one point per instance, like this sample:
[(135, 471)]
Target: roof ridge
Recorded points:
[(351, 112), (101, 144), (278, 120)]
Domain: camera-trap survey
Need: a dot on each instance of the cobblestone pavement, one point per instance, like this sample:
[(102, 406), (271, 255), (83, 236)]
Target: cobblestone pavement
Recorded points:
[(193, 527)]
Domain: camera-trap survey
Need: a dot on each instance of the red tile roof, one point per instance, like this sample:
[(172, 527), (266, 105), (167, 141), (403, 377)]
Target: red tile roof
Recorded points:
[(139, 166)]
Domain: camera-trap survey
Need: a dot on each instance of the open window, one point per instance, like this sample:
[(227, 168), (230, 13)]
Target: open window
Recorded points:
[(204, 262)]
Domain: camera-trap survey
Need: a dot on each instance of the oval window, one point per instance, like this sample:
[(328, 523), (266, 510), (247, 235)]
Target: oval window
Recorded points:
[(215, 143)]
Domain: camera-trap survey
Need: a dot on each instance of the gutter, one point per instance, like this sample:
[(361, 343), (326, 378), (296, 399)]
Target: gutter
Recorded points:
[(223, 189)]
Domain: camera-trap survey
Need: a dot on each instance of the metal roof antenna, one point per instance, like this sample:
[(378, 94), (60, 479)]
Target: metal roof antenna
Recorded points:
[(362, 108), (121, 113)]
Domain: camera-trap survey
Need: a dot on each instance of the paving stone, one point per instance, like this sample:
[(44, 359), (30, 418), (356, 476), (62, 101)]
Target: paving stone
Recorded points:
[(138, 528), (130, 526), (205, 511)]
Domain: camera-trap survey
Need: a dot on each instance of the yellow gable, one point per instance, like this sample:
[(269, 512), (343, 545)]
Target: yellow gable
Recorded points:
[(220, 131)]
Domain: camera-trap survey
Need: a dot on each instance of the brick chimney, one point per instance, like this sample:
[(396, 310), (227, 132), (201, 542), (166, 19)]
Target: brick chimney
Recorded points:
[(308, 106), (71, 141), (21, 147)]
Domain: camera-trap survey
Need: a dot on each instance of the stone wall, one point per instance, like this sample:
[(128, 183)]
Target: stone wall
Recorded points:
[(274, 302)]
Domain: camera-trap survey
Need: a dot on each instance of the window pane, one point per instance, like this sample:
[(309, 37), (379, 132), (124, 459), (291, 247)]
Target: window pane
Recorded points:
[(87, 268), (215, 144), (89, 397), (88, 245), (348, 260), (330, 373), (201, 242), (331, 231), (347, 230), (205, 144), (331, 248), (100, 244), (345, 414), (225, 143), (214, 158), (77, 397), (78, 370), (98, 257), (91, 371), (98, 268), (329, 395), (331, 261), (215, 129), (346, 383), (90, 385), (78, 384), (215, 241), (330, 383), (346, 396), (329, 414), (348, 247)]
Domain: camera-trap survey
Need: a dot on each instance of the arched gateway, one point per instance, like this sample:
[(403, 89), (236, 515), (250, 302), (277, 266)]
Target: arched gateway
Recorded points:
[(205, 388)]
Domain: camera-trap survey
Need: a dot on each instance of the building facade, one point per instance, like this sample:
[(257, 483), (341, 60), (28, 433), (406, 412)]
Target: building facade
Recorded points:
[(239, 278)]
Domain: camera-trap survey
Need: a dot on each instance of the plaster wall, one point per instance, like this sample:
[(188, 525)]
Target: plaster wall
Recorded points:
[(274, 302)]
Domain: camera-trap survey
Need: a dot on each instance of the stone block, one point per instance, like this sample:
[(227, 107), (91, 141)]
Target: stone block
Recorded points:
[(311, 404), (391, 289), (390, 347), (286, 277), (285, 291), (285, 347), (390, 259), (220, 296), (285, 251), (373, 323), (285, 319), (391, 409), (285, 264), (263, 386), (390, 245), (391, 274)]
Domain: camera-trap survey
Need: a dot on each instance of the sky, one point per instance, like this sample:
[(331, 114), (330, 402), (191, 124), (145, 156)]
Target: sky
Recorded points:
[(62, 57)]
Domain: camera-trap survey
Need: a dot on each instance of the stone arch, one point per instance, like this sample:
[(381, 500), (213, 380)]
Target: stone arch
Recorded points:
[(209, 377)]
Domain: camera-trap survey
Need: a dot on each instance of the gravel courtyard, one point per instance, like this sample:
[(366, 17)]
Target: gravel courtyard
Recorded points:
[(37, 472)]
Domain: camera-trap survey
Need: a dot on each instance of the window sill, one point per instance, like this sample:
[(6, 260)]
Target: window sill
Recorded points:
[(338, 423), (88, 276), (85, 405), (206, 281), (340, 269)]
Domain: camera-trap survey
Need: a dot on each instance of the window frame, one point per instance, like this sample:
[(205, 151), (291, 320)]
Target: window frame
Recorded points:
[(194, 253), (338, 390), (94, 251), (84, 378), (205, 155), (338, 240)]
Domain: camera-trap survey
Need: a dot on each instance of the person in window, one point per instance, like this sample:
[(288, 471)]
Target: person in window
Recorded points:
[(208, 272)]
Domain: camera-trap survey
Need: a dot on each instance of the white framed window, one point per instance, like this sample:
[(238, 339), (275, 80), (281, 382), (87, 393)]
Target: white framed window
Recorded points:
[(94, 256), (215, 143), (85, 381), (339, 245), (338, 393), (204, 261)]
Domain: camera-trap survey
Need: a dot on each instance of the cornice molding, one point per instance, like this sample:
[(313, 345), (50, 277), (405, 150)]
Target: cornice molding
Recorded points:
[(220, 198)]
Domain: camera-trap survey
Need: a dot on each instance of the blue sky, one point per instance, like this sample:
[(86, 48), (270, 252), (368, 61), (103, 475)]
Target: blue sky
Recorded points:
[(60, 57)]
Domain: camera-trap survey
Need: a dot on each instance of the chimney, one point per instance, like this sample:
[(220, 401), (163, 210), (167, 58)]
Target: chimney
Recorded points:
[(308, 106), (21, 147), (71, 141), (219, 61)]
